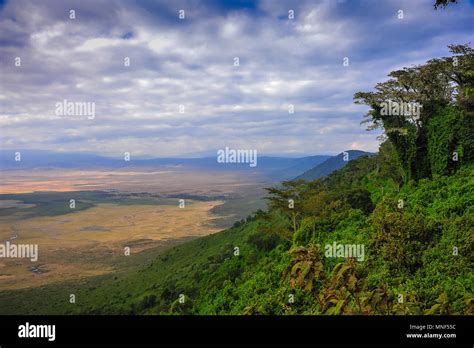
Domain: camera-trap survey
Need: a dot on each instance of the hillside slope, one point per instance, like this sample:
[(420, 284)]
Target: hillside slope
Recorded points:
[(331, 164), (413, 256)]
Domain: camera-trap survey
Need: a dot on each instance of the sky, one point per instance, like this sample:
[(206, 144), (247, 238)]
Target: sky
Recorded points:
[(183, 95)]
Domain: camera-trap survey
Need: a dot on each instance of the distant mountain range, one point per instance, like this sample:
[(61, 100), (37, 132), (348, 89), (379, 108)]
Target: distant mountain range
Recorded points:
[(276, 168), (332, 164)]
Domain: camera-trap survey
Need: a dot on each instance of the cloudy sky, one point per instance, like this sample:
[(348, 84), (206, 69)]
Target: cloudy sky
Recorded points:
[(182, 93)]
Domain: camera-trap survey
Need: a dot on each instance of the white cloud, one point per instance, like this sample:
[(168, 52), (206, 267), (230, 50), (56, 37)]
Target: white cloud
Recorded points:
[(190, 63)]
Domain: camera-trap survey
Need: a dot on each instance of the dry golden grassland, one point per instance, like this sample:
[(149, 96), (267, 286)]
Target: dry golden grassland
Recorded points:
[(89, 242)]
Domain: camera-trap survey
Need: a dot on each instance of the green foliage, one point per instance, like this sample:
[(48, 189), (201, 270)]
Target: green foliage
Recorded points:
[(306, 268), (409, 251), (264, 241), (358, 198), (399, 236), (306, 231), (438, 84), (449, 131)]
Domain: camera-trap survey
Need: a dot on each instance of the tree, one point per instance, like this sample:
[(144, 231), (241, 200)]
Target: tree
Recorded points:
[(294, 198), (427, 89)]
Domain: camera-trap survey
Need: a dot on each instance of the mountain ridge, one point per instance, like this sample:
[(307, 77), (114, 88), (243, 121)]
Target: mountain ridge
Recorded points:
[(276, 167), (331, 164)]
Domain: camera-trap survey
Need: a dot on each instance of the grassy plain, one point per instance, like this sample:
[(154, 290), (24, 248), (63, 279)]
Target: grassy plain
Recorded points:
[(92, 241), (115, 209)]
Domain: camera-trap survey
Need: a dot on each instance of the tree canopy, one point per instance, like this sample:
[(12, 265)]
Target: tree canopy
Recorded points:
[(439, 85)]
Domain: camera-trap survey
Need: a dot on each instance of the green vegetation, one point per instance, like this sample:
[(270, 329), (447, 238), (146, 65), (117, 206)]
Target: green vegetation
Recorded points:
[(409, 251), (58, 203), (411, 206), (427, 144), (238, 206)]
